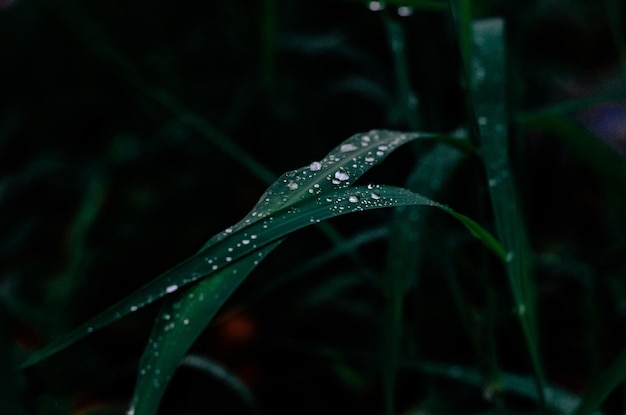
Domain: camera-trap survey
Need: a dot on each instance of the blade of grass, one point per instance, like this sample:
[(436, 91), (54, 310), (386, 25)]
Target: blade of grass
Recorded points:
[(559, 400), (10, 378), (489, 102), (296, 200), (181, 320), (404, 260), (610, 379), (323, 185), (167, 345), (67, 284), (406, 101), (461, 12), (216, 370)]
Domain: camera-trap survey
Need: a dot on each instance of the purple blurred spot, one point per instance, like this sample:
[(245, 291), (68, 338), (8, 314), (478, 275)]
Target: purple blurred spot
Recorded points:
[(608, 122)]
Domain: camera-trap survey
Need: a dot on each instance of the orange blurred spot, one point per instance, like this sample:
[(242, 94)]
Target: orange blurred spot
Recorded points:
[(236, 329)]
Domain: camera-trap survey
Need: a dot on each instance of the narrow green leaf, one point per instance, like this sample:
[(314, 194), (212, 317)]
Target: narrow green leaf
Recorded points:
[(299, 198), (339, 169), (404, 259), (158, 368), (181, 320), (610, 379), (489, 95), (11, 378), (560, 400)]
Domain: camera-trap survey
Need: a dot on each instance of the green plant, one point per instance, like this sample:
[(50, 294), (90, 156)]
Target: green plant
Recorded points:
[(426, 256)]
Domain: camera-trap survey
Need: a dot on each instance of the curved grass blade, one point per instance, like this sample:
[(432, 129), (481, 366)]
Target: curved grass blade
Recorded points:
[(489, 101), (182, 319), (339, 169), (560, 401), (610, 379), (172, 337), (10, 377)]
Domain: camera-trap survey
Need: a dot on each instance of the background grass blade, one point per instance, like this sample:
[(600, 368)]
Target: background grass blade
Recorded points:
[(407, 237), (10, 377), (489, 100), (611, 378)]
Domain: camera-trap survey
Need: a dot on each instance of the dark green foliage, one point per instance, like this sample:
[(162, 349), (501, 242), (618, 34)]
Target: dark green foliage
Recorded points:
[(131, 132)]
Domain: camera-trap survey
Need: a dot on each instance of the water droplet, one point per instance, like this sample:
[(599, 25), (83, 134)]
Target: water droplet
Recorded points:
[(186, 321), (375, 195), (347, 147), (133, 308), (353, 199), (366, 139), (482, 121), (375, 6), (383, 147), (370, 159), (245, 241), (171, 288), (214, 267), (315, 166), (292, 185), (228, 259), (228, 230), (341, 175), (509, 256), (405, 11)]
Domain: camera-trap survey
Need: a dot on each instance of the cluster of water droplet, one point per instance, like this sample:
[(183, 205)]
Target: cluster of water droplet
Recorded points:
[(403, 11)]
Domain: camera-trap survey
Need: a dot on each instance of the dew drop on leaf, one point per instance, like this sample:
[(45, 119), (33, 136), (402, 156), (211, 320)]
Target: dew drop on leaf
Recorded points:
[(315, 166), (353, 199), (171, 288), (342, 175), (347, 147)]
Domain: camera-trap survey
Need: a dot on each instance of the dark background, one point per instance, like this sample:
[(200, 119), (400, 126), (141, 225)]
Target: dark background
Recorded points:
[(111, 171)]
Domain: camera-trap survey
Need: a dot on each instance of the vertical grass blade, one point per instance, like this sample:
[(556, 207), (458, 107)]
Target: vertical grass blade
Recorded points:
[(404, 260), (488, 70), (406, 101)]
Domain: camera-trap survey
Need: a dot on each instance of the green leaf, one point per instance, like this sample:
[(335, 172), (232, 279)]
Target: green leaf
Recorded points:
[(489, 101), (181, 320), (11, 378), (610, 379), (158, 368), (272, 217), (299, 198), (404, 259)]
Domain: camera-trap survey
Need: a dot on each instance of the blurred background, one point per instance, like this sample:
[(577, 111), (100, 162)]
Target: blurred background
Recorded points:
[(131, 132)]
